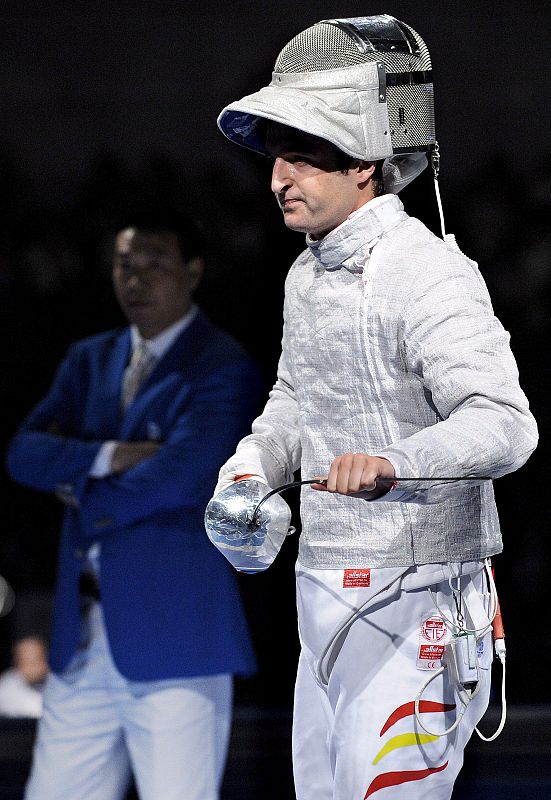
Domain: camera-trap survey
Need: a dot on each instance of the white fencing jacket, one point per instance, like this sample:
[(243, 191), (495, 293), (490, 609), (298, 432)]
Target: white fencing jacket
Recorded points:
[(390, 347)]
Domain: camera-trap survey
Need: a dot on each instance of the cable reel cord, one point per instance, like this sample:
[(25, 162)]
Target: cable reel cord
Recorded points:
[(465, 698), (478, 632), (464, 695)]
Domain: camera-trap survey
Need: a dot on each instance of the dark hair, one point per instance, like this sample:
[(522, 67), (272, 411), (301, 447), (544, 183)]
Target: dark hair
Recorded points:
[(159, 219), (346, 162)]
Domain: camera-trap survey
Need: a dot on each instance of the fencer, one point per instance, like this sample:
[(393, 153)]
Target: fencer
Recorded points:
[(393, 364)]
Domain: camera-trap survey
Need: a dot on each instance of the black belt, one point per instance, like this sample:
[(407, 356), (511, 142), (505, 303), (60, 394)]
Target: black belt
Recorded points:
[(88, 586)]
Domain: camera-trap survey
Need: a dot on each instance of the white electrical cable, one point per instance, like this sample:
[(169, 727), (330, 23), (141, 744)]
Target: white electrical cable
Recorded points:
[(478, 632), (434, 159), (324, 665), (464, 696), (501, 656), (440, 209)]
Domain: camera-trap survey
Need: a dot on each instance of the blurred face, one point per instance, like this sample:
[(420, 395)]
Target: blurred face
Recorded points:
[(313, 192), (153, 284)]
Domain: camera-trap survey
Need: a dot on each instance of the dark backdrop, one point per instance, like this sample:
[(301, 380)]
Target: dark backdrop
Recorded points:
[(101, 106)]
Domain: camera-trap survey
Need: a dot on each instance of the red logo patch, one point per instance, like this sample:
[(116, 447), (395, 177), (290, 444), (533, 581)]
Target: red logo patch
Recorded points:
[(433, 629), (356, 577), (431, 652)]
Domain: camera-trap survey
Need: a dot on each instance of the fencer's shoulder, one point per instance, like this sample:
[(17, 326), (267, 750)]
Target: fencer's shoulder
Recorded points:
[(413, 238), (417, 249)]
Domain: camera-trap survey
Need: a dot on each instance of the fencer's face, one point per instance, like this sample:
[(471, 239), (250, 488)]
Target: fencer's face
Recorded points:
[(311, 188), (152, 282)]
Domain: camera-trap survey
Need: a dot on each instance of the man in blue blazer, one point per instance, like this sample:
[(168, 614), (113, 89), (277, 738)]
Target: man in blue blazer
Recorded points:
[(148, 627)]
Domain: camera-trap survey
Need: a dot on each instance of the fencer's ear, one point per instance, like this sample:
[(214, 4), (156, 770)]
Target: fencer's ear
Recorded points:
[(365, 171)]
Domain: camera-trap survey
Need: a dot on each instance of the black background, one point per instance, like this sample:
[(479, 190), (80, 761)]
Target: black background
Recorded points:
[(100, 105)]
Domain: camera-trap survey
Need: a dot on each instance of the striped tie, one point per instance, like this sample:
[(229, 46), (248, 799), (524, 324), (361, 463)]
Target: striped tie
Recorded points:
[(136, 372)]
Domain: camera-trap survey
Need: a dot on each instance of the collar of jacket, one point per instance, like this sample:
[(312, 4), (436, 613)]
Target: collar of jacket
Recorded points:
[(348, 245)]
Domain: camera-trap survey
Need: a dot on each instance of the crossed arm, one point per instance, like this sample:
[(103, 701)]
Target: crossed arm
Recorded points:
[(48, 454)]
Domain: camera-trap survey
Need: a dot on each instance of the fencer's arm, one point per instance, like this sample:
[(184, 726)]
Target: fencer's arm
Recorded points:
[(272, 451), (456, 347)]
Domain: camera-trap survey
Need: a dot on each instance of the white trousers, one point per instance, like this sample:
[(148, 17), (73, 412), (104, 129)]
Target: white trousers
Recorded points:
[(98, 728), (355, 735)]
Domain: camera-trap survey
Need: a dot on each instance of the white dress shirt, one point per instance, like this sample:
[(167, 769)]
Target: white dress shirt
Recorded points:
[(158, 347)]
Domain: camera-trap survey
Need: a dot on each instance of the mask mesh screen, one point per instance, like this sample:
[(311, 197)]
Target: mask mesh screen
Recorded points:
[(320, 47), (411, 115), (325, 46), (422, 62)]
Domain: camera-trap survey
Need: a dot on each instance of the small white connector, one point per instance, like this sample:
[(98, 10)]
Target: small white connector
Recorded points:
[(500, 649), (461, 660)]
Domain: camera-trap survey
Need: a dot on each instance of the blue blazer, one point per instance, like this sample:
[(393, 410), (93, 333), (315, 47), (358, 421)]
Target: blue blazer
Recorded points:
[(170, 599)]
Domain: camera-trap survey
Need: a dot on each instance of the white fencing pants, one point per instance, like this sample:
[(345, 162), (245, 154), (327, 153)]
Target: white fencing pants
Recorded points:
[(355, 735), (97, 728)]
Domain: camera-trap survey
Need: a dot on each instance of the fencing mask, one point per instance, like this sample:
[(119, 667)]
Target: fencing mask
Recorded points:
[(363, 84)]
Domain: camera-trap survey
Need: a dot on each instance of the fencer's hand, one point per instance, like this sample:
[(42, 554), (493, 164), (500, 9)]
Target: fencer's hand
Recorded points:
[(358, 472), (129, 454)]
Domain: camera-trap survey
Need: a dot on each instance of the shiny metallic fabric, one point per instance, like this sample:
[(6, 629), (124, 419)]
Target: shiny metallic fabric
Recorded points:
[(249, 542)]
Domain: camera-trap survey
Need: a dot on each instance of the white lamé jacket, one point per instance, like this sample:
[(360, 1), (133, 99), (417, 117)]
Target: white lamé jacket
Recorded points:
[(390, 347)]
